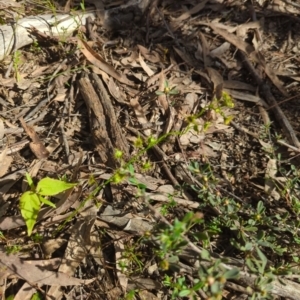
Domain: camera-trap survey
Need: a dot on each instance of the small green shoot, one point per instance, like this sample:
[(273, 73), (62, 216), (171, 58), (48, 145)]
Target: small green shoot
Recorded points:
[(82, 5), (16, 64), (31, 201), (13, 249), (167, 90)]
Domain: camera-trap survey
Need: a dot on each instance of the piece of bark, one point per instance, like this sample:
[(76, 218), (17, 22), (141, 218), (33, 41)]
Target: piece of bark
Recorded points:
[(105, 130), (115, 132)]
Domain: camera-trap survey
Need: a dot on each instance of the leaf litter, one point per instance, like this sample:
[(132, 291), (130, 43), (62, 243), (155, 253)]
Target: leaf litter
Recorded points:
[(52, 125)]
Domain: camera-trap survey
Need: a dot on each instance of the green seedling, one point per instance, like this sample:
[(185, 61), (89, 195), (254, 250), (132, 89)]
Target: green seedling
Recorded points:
[(13, 249), (36, 296), (167, 90), (16, 63), (31, 201)]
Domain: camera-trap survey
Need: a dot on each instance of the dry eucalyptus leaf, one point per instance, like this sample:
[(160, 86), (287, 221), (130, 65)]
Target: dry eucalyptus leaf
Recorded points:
[(25, 292), (5, 162), (140, 114), (145, 67), (95, 58), (152, 56), (1, 129), (33, 273)]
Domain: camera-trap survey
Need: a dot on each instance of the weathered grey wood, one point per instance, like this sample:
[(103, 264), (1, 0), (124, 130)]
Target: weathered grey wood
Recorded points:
[(66, 24), (113, 18)]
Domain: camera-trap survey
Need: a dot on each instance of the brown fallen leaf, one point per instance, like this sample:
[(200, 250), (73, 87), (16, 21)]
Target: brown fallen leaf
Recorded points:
[(140, 114), (217, 81), (145, 67), (252, 53), (144, 294), (79, 245), (25, 292), (232, 38), (8, 181), (239, 85), (32, 272), (185, 56), (1, 129), (241, 30), (198, 7), (94, 58), (5, 162), (219, 51), (205, 50), (258, 57), (5, 4), (127, 222), (36, 146), (152, 56)]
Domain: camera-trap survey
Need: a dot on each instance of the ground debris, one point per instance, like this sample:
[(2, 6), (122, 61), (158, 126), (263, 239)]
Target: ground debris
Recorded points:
[(179, 123)]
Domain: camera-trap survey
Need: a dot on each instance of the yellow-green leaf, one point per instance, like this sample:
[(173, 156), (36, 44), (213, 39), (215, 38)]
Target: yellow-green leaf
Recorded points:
[(47, 202), (49, 186), (30, 181), (30, 207)]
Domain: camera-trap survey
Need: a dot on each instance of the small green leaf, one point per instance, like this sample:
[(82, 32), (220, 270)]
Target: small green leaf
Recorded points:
[(260, 207), (47, 202), (49, 186), (265, 244), (133, 180), (205, 254), (215, 287), (174, 92), (250, 265), (36, 296), (199, 285), (263, 258), (250, 228), (260, 235), (184, 293), (131, 169), (248, 246), (159, 93), (202, 236), (30, 182), (231, 274), (188, 216), (30, 207), (82, 6), (141, 186)]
